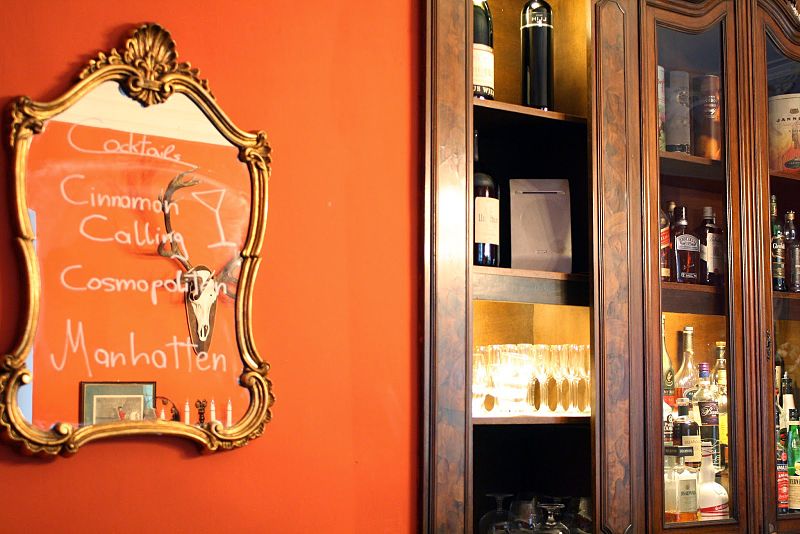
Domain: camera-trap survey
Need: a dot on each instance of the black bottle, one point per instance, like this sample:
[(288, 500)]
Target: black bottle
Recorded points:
[(486, 214), (536, 34)]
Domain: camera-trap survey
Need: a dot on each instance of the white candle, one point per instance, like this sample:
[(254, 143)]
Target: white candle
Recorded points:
[(163, 415), (213, 411), (186, 413), (229, 421)]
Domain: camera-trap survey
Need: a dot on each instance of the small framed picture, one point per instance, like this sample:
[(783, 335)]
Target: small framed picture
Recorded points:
[(112, 402)]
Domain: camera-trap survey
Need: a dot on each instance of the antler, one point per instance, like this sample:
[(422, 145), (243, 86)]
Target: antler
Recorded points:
[(226, 275), (166, 200)]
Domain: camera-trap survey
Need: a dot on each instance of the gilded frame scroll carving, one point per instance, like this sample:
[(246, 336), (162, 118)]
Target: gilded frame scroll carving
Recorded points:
[(148, 71)]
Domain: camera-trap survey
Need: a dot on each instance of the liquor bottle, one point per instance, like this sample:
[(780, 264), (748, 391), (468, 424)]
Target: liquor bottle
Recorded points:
[(684, 504), (719, 380), (779, 367), (669, 429), (793, 461), (778, 249), (668, 375), (536, 35), (671, 212), (482, 50), (686, 377), (712, 497), (662, 108), (782, 473), (792, 260), (487, 215), (787, 400), (686, 432), (665, 238), (677, 128), (686, 249), (706, 407), (712, 249)]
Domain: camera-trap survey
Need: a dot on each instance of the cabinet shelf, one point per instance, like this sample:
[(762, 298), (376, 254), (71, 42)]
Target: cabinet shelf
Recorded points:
[(519, 285), (692, 298), (687, 166), (786, 306), (785, 175), (533, 420), (489, 111)]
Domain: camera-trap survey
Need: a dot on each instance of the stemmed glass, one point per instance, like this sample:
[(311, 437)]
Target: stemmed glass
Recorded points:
[(522, 516), (481, 381), (496, 521), (559, 362), (550, 525), (575, 361), (584, 374)]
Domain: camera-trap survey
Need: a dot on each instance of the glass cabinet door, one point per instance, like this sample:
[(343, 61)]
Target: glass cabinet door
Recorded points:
[(693, 364), (778, 142)]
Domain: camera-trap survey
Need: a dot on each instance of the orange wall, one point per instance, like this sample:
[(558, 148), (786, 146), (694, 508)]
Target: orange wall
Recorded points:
[(336, 85)]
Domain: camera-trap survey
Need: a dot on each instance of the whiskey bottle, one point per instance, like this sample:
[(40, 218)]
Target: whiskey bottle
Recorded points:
[(778, 246), (686, 432), (668, 375), (706, 121), (712, 249), (792, 260), (686, 247), (706, 407), (686, 377), (665, 248), (683, 506), (793, 461)]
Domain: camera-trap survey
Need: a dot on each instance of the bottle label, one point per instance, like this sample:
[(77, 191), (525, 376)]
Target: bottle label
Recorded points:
[(538, 20), (709, 413), (687, 242), (687, 495), (783, 486), (718, 511), (723, 428), (669, 380), (483, 69), (664, 235), (695, 443), (715, 253), (794, 493), (487, 220), (668, 425)]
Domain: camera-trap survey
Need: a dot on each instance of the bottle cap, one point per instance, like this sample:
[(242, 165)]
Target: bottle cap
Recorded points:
[(721, 344), (708, 212), (789, 215), (703, 369), (680, 213), (688, 329), (683, 401)]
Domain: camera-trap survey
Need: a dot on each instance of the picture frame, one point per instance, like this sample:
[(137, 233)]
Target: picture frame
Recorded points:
[(112, 402)]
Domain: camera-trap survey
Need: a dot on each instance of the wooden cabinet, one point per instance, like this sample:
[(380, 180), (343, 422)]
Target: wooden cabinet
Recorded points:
[(607, 141)]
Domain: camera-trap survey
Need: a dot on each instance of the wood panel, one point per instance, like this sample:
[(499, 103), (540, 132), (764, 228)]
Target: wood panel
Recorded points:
[(513, 322), (618, 337), (448, 97)]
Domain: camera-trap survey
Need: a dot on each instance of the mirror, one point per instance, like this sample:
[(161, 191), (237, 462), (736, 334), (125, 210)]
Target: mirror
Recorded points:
[(141, 212)]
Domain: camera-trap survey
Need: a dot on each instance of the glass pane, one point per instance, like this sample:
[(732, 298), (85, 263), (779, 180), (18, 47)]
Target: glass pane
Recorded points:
[(694, 259), (783, 91)]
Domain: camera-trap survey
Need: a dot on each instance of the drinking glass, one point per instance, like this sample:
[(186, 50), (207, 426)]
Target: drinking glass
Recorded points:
[(522, 515), (574, 364), (584, 373), (482, 402), (559, 361), (541, 369), (497, 520), (550, 525)]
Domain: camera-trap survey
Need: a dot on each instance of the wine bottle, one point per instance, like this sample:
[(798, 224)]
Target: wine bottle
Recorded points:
[(686, 249), (482, 51), (536, 35), (487, 214), (792, 265), (712, 249), (778, 249), (668, 374)]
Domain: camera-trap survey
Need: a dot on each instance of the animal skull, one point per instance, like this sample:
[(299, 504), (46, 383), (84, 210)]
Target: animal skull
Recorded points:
[(201, 303)]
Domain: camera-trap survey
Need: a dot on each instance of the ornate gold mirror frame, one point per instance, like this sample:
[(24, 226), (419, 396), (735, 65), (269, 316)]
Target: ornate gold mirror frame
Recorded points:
[(147, 71)]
